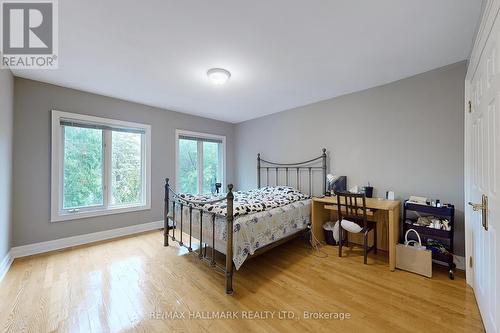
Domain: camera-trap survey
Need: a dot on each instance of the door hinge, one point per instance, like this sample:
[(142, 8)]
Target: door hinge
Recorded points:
[(470, 106), (470, 261)]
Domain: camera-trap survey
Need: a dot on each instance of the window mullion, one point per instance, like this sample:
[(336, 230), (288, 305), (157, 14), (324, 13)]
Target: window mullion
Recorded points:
[(143, 168), (200, 166), (107, 168), (61, 168), (220, 166)]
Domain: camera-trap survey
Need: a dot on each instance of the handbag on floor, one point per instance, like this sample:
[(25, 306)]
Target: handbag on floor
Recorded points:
[(413, 257)]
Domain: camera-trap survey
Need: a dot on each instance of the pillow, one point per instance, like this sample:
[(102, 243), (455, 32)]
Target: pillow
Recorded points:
[(350, 226), (336, 231)]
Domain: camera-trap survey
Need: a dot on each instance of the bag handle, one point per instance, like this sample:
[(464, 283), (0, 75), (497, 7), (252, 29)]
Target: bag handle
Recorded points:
[(416, 233)]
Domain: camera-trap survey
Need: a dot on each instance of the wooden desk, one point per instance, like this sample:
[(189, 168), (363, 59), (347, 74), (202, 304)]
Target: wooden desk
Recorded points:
[(320, 215)]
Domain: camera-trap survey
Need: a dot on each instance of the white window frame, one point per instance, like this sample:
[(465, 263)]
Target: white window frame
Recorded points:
[(222, 162), (57, 212)]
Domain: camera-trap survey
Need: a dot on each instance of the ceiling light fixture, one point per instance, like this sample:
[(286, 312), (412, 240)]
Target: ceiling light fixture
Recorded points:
[(218, 76)]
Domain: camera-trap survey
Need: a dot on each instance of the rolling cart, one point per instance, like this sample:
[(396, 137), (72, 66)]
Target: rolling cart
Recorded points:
[(411, 212)]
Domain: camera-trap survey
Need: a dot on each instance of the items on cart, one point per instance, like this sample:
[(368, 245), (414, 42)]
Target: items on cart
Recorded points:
[(431, 222), (435, 226)]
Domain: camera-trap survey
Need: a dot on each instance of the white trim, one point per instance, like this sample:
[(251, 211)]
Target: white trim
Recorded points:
[(5, 264), (56, 215), (199, 148), (105, 211), (179, 132), (460, 262), (62, 243), (486, 24), (469, 271)]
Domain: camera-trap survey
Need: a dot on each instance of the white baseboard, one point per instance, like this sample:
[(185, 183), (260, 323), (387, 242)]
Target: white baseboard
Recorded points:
[(460, 262), (5, 265), (62, 243)]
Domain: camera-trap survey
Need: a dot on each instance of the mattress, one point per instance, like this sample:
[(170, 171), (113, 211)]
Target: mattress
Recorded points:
[(251, 230)]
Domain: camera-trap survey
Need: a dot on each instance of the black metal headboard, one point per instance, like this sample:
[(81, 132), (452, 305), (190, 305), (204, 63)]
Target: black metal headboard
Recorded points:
[(318, 163)]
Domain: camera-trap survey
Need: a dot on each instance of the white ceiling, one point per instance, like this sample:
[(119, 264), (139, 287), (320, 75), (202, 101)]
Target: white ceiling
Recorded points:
[(281, 53)]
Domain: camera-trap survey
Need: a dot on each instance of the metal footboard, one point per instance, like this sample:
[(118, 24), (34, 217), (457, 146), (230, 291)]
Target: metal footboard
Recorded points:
[(173, 199)]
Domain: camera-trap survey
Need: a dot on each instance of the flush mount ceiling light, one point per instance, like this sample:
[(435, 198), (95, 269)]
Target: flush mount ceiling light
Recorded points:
[(218, 76)]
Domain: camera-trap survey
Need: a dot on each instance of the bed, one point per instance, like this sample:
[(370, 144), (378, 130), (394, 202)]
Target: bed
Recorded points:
[(244, 224)]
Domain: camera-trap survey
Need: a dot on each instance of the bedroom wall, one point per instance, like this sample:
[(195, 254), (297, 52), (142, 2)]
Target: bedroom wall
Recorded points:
[(33, 103), (6, 125), (406, 136)]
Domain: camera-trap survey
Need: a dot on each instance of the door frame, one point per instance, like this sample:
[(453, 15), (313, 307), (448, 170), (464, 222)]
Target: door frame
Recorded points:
[(488, 18), (469, 249)]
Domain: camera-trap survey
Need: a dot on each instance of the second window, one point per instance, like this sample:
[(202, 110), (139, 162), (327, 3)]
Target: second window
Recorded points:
[(200, 162)]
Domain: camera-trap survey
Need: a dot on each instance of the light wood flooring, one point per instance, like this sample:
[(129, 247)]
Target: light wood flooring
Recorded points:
[(135, 284)]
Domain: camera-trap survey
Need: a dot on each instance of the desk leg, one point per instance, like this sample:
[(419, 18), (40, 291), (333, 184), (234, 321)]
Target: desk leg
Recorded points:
[(318, 217), (393, 236)]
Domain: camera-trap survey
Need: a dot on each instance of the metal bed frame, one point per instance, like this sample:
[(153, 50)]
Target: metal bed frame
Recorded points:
[(172, 199)]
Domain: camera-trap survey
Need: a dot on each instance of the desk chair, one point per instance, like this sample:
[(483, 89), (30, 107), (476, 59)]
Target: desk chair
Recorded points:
[(352, 207)]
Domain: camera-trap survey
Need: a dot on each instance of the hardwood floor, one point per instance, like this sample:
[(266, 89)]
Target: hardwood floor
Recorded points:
[(136, 284)]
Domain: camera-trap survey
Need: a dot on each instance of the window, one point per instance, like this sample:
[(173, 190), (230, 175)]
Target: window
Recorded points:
[(200, 161), (99, 166)]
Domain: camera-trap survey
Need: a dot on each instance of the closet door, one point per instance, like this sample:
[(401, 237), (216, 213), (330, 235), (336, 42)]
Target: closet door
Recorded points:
[(482, 160)]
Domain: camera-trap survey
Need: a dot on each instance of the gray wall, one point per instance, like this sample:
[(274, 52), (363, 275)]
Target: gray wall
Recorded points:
[(6, 124), (406, 136), (33, 102)]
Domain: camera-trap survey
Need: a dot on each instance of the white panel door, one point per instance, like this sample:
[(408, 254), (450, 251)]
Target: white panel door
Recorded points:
[(482, 179)]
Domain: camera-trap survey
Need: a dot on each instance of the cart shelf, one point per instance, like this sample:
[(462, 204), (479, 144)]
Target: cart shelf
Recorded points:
[(444, 236), (430, 232)]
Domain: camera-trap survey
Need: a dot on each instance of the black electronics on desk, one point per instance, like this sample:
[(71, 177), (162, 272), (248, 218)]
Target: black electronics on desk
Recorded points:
[(338, 185)]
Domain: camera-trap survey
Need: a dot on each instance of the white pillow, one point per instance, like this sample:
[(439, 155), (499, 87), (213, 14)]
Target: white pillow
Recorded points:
[(349, 226), (336, 231)]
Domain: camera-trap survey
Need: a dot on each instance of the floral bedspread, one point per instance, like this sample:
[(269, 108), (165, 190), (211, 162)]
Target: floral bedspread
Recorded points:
[(262, 217), (251, 232)]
